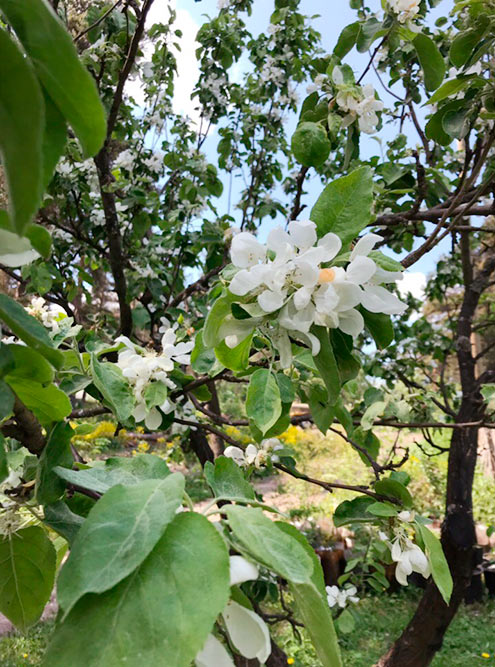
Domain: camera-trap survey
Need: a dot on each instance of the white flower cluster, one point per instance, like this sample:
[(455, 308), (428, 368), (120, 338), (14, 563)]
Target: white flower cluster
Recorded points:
[(271, 72), (247, 631), (142, 367), (291, 275), (406, 10), (45, 314), (408, 556), (216, 85), (359, 102), (254, 455), (341, 596)]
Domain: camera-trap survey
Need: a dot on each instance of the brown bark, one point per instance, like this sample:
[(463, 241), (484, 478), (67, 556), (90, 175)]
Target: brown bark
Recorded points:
[(424, 634), (216, 442)]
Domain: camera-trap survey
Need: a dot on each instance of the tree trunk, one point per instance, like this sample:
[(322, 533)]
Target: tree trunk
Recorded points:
[(424, 634)]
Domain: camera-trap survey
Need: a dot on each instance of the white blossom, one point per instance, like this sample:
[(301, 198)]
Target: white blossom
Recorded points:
[(287, 276), (409, 558), (252, 455), (341, 596), (45, 314), (359, 102), (242, 570), (406, 10), (142, 367)]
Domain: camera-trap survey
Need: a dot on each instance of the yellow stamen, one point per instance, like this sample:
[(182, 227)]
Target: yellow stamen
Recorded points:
[(326, 276)]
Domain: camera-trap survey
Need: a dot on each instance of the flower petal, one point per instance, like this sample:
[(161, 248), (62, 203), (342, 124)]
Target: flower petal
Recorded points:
[(242, 570), (213, 654), (365, 245), (271, 301), (302, 233), (360, 270), (246, 250), (351, 322), (247, 631)]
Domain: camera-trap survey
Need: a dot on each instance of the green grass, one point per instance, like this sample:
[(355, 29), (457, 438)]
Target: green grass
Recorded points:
[(17, 650), (381, 620)]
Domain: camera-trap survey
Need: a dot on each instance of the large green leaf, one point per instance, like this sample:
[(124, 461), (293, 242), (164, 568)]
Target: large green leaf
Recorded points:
[(15, 250), (431, 61), (6, 400), (161, 614), (125, 471), (327, 365), (393, 488), (464, 43), (347, 39), (344, 206), (236, 358), (226, 479), (55, 59), (268, 544), (312, 605), (353, 511), (109, 380), (380, 327), (26, 576), (48, 403), (29, 330), (323, 414), (118, 534), (219, 311), (29, 365), (49, 486), (21, 132), (263, 403), (63, 520), (439, 566)]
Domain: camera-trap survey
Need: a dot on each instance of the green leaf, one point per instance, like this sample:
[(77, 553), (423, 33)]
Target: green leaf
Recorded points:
[(226, 480), (126, 471), (26, 576), (55, 59), (353, 511), (439, 566), (456, 122), (347, 39), (263, 404), (215, 318), (465, 42), (14, 250), (370, 30), (348, 362), (49, 486), (161, 614), (4, 468), (29, 365), (286, 387), (109, 380), (119, 533), (451, 87), (48, 403), (235, 358), (60, 518), (6, 400), (382, 509), (21, 131), (268, 544), (203, 359), (344, 206), (323, 414), (431, 61), (155, 394), (54, 140), (345, 622), (40, 239), (380, 327), (312, 605), (327, 365), (310, 144), (29, 330), (373, 411), (393, 488)]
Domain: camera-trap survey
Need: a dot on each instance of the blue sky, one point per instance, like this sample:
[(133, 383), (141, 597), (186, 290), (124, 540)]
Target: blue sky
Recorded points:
[(333, 16)]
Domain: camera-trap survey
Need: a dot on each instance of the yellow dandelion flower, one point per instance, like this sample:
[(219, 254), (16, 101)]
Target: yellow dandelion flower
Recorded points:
[(160, 440), (143, 446), (122, 433), (290, 661), (140, 429), (485, 655), (414, 459), (24, 655)]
